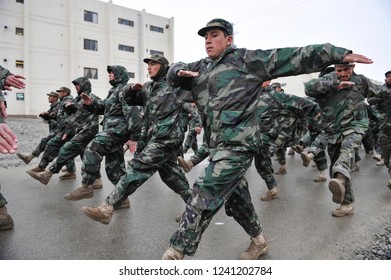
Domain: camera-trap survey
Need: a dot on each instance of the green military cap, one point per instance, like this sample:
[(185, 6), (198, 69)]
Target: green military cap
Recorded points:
[(388, 72), (157, 58), (52, 94), (216, 23), (64, 89), (275, 85)]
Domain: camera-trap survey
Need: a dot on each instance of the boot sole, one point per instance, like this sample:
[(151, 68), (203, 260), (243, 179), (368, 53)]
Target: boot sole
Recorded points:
[(36, 177), (9, 225), (342, 214), (86, 211), (67, 177), (79, 198), (336, 190), (305, 160), (23, 159), (269, 198)]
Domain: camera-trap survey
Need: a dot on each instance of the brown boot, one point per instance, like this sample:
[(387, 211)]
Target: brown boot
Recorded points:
[(357, 167), (173, 254), (258, 247), (25, 158), (43, 177), (282, 170), (321, 177), (125, 204), (377, 157), (102, 213), (291, 151), (6, 221), (299, 149), (380, 163), (37, 169), (343, 210), (85, 191), (68, 175), (186, 165), (307, 157), (97, 184), (271, 194), (337, 187)]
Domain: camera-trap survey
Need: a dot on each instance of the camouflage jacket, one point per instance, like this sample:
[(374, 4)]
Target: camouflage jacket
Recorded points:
[(382, 101), (344, 110), (228, 87), (163, 107), (274, 107), (118, 115), (190, 117), (52, 116), (65, 121), (4, 73)]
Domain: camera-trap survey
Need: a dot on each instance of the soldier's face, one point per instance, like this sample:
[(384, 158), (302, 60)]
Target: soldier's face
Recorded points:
[(153, 68), (388, 79), (344, 72), (216, 42)]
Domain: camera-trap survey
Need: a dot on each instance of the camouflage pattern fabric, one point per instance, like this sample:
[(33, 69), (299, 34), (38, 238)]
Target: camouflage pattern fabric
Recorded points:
[(161, 137), (226, 92)]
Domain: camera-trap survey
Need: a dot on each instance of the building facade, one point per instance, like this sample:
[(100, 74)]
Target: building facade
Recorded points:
[(52, 42)]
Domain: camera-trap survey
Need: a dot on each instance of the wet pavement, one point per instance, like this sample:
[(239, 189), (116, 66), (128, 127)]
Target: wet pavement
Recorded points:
[(298, 225)]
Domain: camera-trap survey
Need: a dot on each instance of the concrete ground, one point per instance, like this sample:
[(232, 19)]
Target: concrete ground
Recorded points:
[(298, 224)]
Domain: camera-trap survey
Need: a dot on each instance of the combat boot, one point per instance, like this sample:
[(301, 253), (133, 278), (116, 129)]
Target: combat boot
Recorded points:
[(337, 187), (68, 175), (258, 247), (343, 210), (43, 177), (97, 184), (380, 163), (125, 204), (6, 221), (291, 151), (281, 170), (173, 254), (83, 192), (321, 177), (37, 169), (25, 158), (299, 149), (307, 157), (102, 213), (271, 194), (357, 166), (377, 157), (186, 165)]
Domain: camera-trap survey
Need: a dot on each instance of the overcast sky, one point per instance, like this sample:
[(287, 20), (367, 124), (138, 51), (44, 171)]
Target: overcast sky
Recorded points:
[(360, 25)]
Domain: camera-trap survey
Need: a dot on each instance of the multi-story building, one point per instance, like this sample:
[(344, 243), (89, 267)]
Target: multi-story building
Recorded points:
[(52, 42)]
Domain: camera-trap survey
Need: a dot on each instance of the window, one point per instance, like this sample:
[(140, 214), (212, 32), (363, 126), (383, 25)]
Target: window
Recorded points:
[(90, 45), (125, 48), (19, 31), (156, 29), (20, 1), (125, 22), (152, 52), (19, 96), (91, 73), (131, 75), (90, 16), (19, 64)]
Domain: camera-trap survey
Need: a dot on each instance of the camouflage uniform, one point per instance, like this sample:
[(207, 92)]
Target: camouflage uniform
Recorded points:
[(346, 121), (190, 118), (65, 121), (161, 137), (233, 83), (383, 101), (194, 121), (121, 122), (273, 107), (86, 126)]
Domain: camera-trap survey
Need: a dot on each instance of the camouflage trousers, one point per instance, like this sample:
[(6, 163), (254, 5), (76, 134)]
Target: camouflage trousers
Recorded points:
[(191, 141), (155, 157), (318, 148), (3, 202), (264, 166), (222, 183), (342, 159), (109, 144), (42, 145), (73, 148), (385, 142), (51, 152)]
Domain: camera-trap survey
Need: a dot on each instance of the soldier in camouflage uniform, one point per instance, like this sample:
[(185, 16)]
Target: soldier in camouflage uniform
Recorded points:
[(50, 116), (159, 142), (121, 122), (341, 95), (86, 125), (64, 132), (273, 107), (232, 80), (383, 102), (8, 139)]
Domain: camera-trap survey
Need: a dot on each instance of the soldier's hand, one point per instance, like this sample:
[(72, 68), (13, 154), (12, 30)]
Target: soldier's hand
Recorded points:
[(136, 87), (3, 110), (187, 73), (198, 129), (345, 84), (15, 81), (87, 100), (359, 58), (8, 140), (64, 136)]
